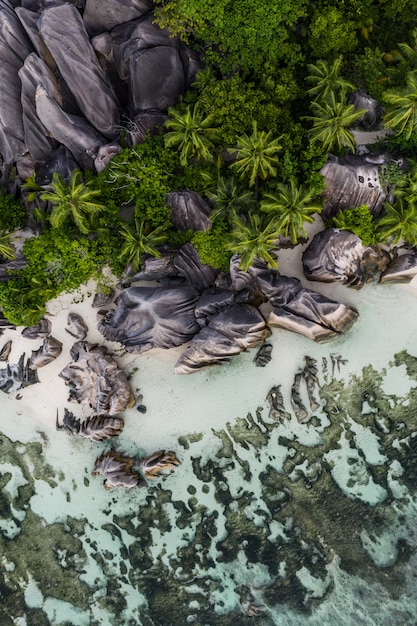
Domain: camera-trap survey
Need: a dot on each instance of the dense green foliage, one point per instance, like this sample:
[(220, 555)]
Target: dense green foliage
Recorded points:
[(250, 136), (359, 221)]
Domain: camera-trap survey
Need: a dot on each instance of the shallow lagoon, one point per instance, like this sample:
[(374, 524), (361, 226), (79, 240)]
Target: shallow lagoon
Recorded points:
[(266, 521)]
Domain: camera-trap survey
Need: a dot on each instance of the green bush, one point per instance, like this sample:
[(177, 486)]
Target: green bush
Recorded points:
[(211, 246), (359, 221)]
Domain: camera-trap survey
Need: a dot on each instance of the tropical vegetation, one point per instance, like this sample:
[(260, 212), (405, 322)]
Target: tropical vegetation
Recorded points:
[(250, 135)]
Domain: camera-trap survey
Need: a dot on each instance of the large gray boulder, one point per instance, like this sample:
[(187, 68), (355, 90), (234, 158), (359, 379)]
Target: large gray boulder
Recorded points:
[(95, 379), (340, 256), (151, 317), (84, 142), (14, 48), (234, 329), (156, 79), (189, 265), (135, 36), (34, 73), (352, 181), (188, 210), (63, 31), (105, 15), (402, 269)]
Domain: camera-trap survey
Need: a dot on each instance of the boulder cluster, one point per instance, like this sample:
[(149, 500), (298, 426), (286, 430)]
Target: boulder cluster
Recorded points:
[(74, 74)]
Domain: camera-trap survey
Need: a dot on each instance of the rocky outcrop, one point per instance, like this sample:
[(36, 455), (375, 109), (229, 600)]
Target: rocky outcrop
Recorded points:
[(352, 181), (374, 111), (48, 352), (151, 317), (340, 256), (188, 210), (94, 379), (73, 71), (402, 269), (227, 333)]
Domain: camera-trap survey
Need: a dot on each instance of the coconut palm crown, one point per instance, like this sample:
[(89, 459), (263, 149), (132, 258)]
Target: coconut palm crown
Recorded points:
[(325, 78), (256, 155), (401, 107), (72, 200), (191, 133), (292, 205), (332, 120), (253, 239)]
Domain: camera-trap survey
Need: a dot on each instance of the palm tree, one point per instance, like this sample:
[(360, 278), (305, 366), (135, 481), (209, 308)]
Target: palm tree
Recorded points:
[(399, 222), (139, 239), (252, 239), (291, 205), (331, 122), (256, 156), (325, 78), (406, 53), (72, 199), (191, 133), (6, 247), (229, 196), (401, 110)]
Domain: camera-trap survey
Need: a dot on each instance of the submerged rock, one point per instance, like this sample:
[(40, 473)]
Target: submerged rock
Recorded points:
[(95, 379), (117, 470), (96, 428), (339, 255), (158, 462), (264, 355)]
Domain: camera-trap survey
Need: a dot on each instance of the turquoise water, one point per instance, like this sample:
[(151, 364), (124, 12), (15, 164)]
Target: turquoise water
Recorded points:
[(266, 520)]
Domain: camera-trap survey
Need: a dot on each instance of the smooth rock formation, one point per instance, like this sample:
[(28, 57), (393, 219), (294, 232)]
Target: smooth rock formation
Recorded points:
[(95, 379), (401, 269), (63, 32), (41, 329), (188, 210), (76, 327), (374, 110), (156, 79), (151, 317), (339, 255), (105, 15), (352, 181), (17, 375), (73, 131), (188, 264), (33, 74), (5, 350), (230, 331), (158, 463), (14, 48), (48, 352)]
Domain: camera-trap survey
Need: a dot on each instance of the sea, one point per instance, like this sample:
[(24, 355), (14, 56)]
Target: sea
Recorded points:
[(293, 504)]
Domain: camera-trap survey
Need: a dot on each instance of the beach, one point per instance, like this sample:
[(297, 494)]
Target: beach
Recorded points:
[(236, 464)]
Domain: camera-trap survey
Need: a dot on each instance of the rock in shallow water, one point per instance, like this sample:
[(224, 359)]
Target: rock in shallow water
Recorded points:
[(95, 379)]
